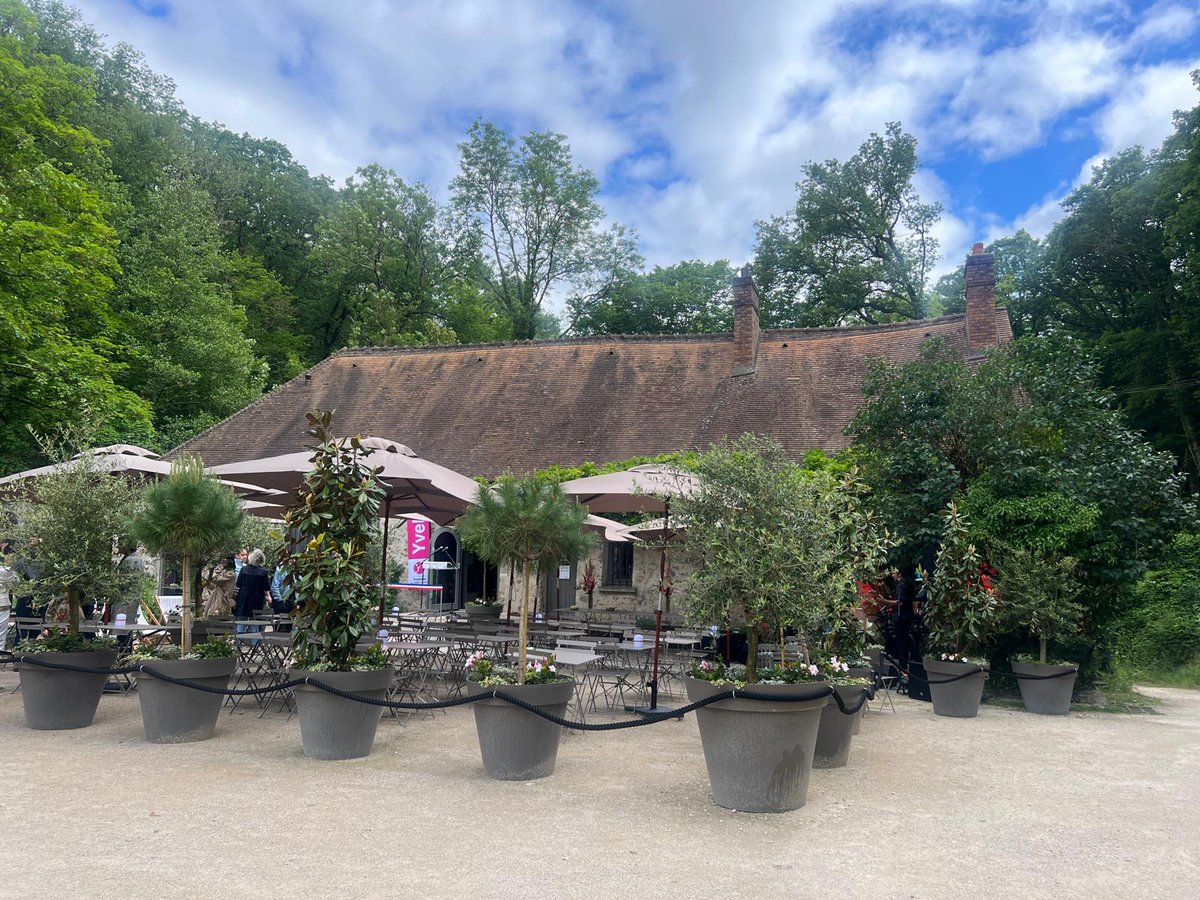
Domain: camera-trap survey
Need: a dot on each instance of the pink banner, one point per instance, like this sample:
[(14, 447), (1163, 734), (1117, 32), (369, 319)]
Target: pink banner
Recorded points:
[(418, 539)]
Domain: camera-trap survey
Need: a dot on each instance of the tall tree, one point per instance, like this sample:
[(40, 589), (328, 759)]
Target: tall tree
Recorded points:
[(858, 246), (1019, 276), (57, 252), (685, 298), (539, 218), (389, 254), (187, 351)]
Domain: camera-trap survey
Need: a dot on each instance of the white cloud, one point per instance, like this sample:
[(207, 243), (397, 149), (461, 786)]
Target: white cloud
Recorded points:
[(720, 105)]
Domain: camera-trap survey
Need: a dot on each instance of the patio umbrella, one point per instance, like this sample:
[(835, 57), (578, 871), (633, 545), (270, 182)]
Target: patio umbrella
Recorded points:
[(611, 529), (413, 485), (646, 488), (133, 462)]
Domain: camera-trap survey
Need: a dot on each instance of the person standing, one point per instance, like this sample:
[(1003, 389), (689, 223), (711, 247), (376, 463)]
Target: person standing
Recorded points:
[(9, 579), (219, 592), (253, 590), (239, 560), (282, 602), (906, 601)]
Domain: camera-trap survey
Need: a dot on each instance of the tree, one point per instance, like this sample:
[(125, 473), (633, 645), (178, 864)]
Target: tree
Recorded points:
[(1035, 427), (57, 260), (69, 523), (961, 611), (528, 521), (768, 539), (187, 350), (539, 220), (857, 247), (330, 526), (188, 515), (389, 255), (1040, 592), (687, 298)]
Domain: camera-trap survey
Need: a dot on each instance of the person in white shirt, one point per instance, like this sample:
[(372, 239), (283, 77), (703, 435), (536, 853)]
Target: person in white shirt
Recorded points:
[(8, 581)]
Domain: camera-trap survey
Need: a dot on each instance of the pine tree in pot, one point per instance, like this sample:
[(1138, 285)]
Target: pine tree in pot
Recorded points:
[(770, 554), (528, 521), (65, 529), (960, 616), (188, 515), (1040, 594), (331, 525)]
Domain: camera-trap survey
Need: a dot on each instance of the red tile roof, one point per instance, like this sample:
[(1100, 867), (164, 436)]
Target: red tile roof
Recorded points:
[(485, 409)]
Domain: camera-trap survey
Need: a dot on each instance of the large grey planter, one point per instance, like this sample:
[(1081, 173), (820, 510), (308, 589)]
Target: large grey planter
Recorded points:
[(957, 699), (175, 714), (480, 612), (837, 729), (759, 753), (333, 727), (55, 699), (517, 745), (1048, 696)]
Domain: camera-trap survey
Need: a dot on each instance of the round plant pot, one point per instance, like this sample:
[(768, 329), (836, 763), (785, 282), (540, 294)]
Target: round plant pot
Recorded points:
[(860, 672), (759, 753), (174, 714), (833, 739), (483, 612), (517, 745), (1047, 696), (56, 699), (956, 699), (333, 727)]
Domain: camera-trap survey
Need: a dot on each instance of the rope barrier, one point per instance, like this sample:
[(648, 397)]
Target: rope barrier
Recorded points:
[(496, 693)]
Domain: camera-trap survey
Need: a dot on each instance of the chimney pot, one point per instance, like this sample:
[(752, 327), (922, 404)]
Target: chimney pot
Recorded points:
[(977, 248)]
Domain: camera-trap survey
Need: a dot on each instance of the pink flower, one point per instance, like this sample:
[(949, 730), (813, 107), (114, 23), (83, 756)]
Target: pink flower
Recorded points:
[(813, 669)]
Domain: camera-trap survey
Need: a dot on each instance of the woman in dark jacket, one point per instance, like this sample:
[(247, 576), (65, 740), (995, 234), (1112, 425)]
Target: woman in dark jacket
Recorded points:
[(253, 590)]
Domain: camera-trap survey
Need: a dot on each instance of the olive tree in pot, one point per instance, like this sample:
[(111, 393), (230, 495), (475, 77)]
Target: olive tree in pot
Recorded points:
[(960, 615), (1040, 594), (528, 521), (66, 527), (766, 537), (329, 527), (189, 515)]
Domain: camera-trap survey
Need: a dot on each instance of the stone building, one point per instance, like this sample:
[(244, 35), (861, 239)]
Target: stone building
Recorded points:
[(488, 409)]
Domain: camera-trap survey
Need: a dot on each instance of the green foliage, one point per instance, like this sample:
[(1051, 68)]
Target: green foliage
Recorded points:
[(857, 248), (334, 518), (690, 297), (769, 538), (539, 220), (1019, 259), (188, 513), (1161, 631), (486, 673), (1050, 523), (68, 523), (686, 460), (961, 612), (1039, 592), (65, 642)]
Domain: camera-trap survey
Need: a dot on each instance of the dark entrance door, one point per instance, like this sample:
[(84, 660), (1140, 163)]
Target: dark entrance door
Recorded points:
[(477, 577), (446, 550)]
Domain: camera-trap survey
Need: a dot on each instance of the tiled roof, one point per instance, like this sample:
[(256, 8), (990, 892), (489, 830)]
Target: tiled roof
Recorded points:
[(485, 409)]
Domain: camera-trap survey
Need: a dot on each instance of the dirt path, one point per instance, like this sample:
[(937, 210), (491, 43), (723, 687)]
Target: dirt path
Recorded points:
[(1006, 805)]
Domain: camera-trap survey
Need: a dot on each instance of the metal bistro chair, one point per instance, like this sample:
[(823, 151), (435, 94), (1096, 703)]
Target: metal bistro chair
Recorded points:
[(887, 677)]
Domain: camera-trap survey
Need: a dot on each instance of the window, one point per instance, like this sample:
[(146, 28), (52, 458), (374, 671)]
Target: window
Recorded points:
[(618, 564)]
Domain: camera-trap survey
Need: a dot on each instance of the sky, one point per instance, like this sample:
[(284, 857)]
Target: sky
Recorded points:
[(696, 115)]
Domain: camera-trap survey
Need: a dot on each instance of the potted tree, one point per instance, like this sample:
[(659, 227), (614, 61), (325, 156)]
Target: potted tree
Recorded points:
[(769, 550), (528, 521), (329, 527), (960, 615), (65, 529), (1040, 594), (188, 515)]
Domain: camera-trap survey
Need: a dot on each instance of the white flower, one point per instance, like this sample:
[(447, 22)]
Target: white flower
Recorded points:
[(554, 668), (813, 669)]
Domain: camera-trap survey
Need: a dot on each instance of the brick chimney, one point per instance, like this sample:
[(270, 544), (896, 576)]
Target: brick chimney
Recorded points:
[(981, 302), (745, 323)]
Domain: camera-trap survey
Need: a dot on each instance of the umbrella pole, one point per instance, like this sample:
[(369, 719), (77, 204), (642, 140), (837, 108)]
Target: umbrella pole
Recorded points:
[(664, 592), (383, 581)]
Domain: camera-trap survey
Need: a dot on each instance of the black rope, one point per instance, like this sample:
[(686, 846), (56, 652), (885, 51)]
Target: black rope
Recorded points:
[(647, 718)]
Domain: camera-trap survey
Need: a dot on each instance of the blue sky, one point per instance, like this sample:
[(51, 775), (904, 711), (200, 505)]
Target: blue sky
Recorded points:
[(697, 115)]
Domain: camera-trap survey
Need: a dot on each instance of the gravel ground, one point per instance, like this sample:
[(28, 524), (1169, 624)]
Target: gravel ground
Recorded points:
[(1006, 805)]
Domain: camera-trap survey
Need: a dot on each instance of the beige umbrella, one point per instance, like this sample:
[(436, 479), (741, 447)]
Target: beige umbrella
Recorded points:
[(611, 529), (134, 462), (645, 488), (414, 485)]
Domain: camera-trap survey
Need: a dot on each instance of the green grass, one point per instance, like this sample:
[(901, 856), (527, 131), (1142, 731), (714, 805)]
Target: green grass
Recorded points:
[(1186, 676)]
